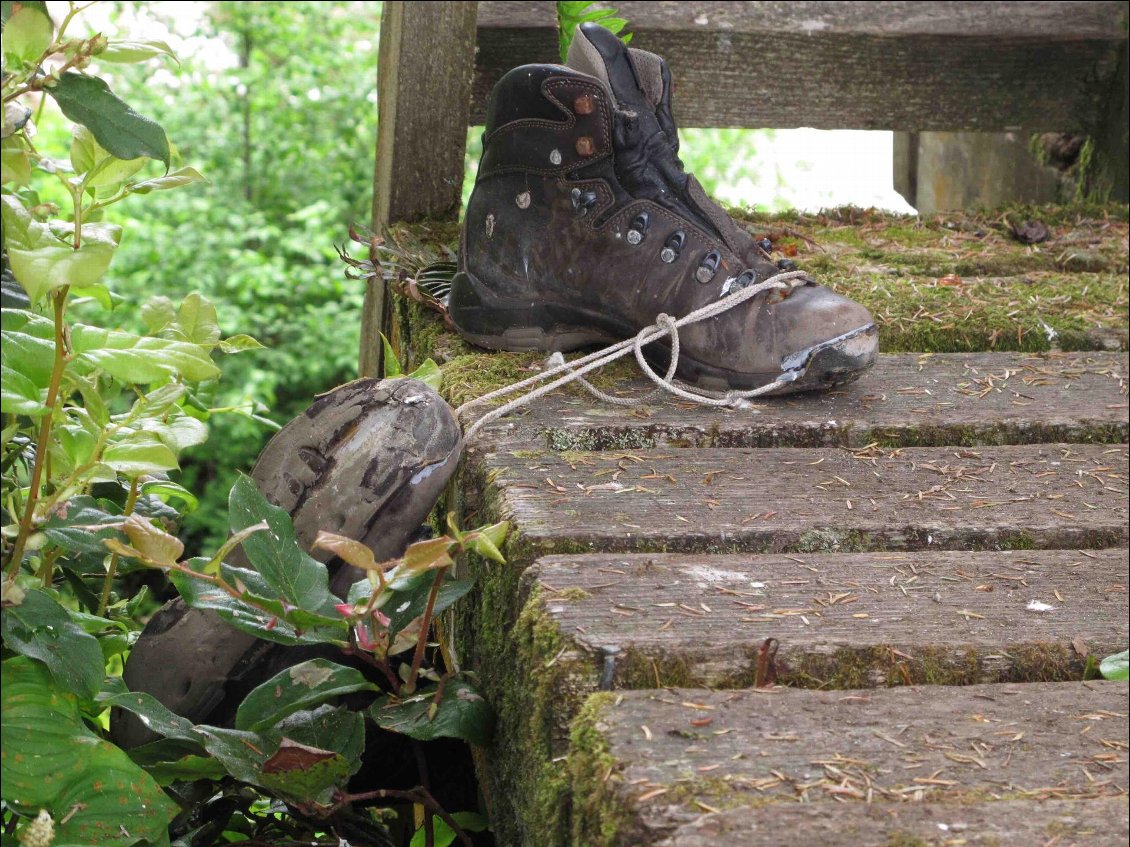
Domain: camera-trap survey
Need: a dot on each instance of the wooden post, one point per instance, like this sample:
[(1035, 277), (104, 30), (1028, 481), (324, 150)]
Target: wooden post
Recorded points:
[(424, 72)]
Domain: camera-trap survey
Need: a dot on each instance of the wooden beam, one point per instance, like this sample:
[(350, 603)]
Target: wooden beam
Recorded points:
[(423, 85), (976, 66)]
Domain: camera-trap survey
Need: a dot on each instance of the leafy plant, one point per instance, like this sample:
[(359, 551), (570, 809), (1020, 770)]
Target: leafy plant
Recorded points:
[(571, 14), (1116, 666)]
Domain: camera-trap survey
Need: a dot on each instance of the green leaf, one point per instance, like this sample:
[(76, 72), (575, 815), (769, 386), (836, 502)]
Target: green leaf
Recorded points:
[(1116, 666), (27, 33), (391, 363), (19, 395), (186, 769), (141, 359), (155, 714), (131, 51), (176, 179), (167, 490), (43, 630), (405, 605), (29, 356), (429, 374), (302, 686), (51, 761), (445, 835), (299, 579), (15, 161), (89, 157), (269, 619), (87, 100), (239, 343), (157, 313), (197, 321), (80, 525), (153, 543), (140, 453), (179, 432), (43, 259), (462, 713)]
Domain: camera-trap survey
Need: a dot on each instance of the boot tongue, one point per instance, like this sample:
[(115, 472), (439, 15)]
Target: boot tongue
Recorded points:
[(596, 51), (641, 84)]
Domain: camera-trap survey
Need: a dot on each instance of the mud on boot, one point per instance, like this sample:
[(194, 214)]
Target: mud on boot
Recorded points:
[(583, 227), (367, 460)]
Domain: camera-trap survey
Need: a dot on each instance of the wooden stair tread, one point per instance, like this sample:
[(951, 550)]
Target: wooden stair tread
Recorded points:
[(840, 620), (650, 758), (907, 399), (815, 500)]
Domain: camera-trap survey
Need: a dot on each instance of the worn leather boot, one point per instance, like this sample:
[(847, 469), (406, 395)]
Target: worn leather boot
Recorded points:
[(367, 460), (583, 227)]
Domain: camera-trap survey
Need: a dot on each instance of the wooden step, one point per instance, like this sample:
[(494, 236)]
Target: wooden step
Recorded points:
[(646, 764), (1098, 822), (906, 400), (817, 500), (839, 621)]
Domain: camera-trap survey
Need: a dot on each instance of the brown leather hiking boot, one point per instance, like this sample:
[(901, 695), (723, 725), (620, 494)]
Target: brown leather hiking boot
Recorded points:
[(583, 227)]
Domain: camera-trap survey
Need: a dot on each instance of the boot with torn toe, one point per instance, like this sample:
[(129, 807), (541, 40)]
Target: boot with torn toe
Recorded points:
[(583, 227)]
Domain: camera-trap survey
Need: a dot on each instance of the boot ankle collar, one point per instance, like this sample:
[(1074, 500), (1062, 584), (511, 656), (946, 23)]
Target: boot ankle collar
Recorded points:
[(535, 145)]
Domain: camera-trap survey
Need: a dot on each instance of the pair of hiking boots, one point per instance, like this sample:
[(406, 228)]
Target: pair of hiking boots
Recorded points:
[(583, 227)]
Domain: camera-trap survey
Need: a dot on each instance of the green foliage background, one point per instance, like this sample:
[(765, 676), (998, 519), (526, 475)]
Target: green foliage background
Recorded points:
[(286, 140)]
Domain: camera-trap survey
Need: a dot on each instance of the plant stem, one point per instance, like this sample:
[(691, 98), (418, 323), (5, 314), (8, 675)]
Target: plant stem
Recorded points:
[(416, 795), (425, 627), (28, 517), (112, 570)]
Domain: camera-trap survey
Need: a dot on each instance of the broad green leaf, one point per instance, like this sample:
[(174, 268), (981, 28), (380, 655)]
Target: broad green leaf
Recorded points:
[(42, 256), (391, 364), (445, 835), (87, 100), (19, 395), (176, 179), (153, 543), (98, 292), (197, 321), (141, 359), (429, 374), (51, 761), (139, 454), (270, 623), (405, 605), (29, 356), (462, 713), (179, 432), (307, 774), (239, 343), (80, 525), (302, 686), (133, 51), (157, 313), (42, 629), (89, 157), (294, 575), (27, 33), (186, 769), (153, 713), (167, 490), (15, 162), (326, 728), (1116, 666)]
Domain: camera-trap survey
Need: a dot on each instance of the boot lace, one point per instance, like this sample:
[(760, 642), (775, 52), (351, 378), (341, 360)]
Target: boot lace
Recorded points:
[(562, 373)]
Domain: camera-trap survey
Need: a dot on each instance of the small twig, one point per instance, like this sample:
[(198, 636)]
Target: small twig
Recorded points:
[(112, 570), (425, 626), (416, 795)]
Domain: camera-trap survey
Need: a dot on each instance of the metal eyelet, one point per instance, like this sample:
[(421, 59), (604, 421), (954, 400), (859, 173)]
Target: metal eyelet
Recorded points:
[(766, 245), (743, 280), (583, 200), (786, 264), (637, 232), (673, 247), (709, 267)]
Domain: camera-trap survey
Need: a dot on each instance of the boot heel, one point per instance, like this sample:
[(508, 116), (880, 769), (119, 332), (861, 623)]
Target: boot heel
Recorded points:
[(519, 326)]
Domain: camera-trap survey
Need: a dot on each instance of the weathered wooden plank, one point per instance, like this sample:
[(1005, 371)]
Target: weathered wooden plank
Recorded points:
[(840, 621), (647, 763), (835, 65), (1102, 822), (819, 500), (906, 400), (424, 86)]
